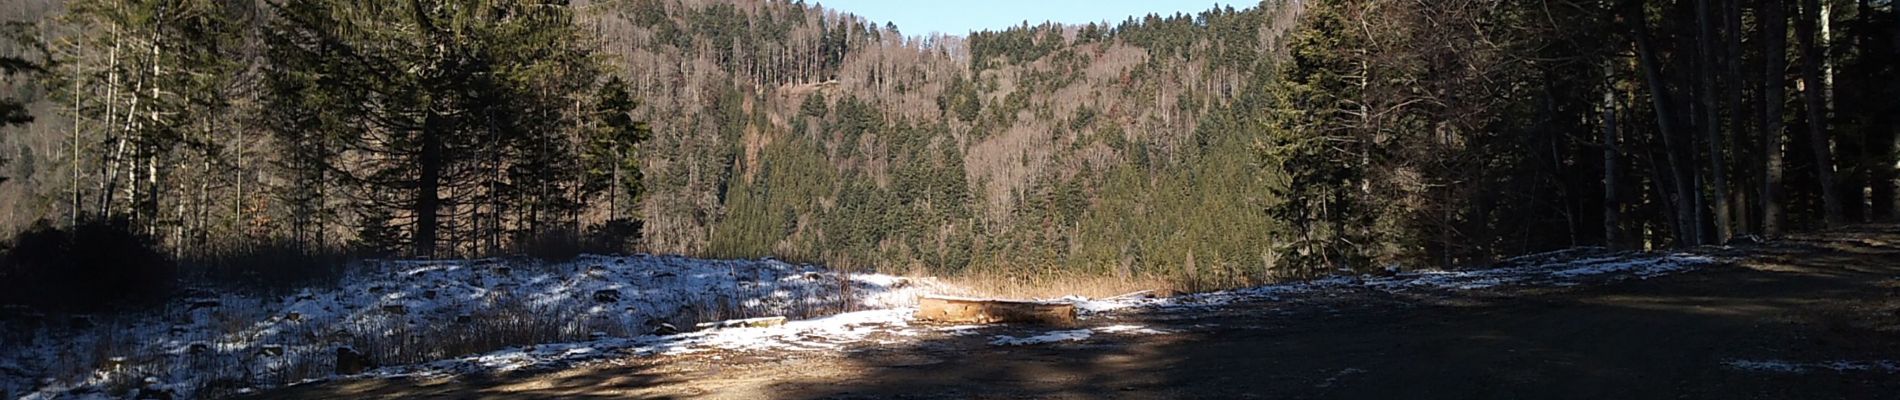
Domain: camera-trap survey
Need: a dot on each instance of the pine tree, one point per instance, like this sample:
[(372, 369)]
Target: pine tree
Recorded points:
[(613, 150), (458, 114), (1314, 146)]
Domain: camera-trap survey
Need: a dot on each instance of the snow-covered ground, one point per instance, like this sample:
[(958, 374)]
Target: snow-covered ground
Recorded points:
[(1791, 367), (1561, 268), (891, 326), (615, 303), (408, 312)]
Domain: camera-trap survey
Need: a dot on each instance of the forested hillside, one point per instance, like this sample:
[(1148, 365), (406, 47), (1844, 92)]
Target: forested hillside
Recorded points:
[(1105, 149), (1226, 147)]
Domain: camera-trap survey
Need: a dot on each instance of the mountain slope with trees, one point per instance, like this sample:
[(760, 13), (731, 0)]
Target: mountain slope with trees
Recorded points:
[(1220, 148)]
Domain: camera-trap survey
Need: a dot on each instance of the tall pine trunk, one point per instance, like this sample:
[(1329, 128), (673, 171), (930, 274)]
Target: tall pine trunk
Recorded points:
[(1711, 122), (1878, 131), (1739, 114), (1685, 211), (1814, 94), (1774, 21), (1611, 206), (428, 201)]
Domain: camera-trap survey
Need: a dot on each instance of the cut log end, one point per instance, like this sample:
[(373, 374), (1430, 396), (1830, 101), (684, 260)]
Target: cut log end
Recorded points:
[(991, 311)]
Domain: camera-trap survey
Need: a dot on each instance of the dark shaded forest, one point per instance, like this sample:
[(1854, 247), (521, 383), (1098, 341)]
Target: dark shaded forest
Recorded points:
[(1216, 149)]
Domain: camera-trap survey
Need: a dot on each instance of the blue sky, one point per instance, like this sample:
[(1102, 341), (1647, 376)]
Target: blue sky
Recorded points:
[(957, 17)]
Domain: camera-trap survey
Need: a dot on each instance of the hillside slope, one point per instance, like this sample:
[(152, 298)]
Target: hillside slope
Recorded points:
[(800, 132)]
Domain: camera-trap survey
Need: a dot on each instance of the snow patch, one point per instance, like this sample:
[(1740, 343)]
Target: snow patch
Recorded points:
[(1130, 329), (1074, 335), (1565, 268), (1791, 367), (612, 302), (1050, 337)]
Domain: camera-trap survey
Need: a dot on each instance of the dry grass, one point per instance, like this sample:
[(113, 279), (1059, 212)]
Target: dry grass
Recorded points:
[(1047, 287)]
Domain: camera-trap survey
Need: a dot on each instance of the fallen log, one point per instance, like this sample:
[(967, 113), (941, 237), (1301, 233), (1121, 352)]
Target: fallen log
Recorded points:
[(993, 311), (765, 322)]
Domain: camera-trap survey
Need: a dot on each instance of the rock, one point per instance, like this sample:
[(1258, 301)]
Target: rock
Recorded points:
[(293, 316), (270, 350), (198, 348), (350, 362), (597, 270), (607, 296)]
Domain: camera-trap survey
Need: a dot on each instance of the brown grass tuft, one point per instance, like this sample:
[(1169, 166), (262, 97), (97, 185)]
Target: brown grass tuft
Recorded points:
[(1048, 287)]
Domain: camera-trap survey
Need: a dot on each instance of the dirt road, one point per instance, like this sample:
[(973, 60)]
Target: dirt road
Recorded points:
[(1812, 317)]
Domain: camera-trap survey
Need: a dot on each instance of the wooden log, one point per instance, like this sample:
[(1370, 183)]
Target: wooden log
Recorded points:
[(992, 311), (743, 323)]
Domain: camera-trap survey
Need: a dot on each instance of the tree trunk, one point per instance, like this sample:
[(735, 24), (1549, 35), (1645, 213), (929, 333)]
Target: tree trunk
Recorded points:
[(1851, 146), (1610, 204), (73, 219), (1711, 122), (1814, 95), (428, 186), (1878, 143), (1738, 110), (1774, 21), (1885, 195), (1686, 212), (149, 146)]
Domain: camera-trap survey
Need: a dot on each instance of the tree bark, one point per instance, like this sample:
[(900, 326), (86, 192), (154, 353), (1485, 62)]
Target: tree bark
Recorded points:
[(1610, 204), (73, 220), (1686, 212), (1814, 94), (1711, 122), (1878, 143), (1774, 21), (1886, 191), (1738, 110), (428, 187), (428, 197)]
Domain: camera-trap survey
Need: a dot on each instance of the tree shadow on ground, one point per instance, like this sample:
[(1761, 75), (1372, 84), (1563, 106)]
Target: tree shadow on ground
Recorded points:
[(1833, 296), (612, 382)]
